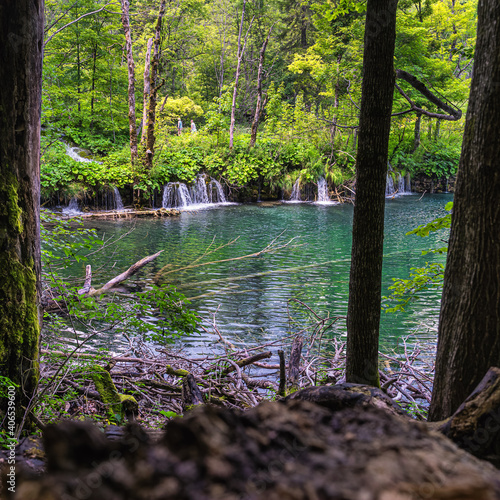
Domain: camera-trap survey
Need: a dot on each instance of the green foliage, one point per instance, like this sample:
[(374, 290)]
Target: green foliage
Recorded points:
[(430, 276), (158, 314), (438, 160), (404, 291), (435, 225), (65, 241)]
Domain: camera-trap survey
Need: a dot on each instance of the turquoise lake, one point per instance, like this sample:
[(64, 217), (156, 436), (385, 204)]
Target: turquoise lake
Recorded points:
[(251, 296)]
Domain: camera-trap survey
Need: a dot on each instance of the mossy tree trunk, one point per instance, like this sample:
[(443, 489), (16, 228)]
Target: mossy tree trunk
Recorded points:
[(21, 39), (363, 314), (469, 326)]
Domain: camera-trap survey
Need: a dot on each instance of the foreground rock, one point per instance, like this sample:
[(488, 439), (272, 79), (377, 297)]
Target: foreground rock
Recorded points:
[(289, 450)]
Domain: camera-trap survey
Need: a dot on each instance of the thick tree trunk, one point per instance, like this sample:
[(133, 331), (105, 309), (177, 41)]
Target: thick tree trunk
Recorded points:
[(150, 143), (469, 327), (236, 78), (258, 105), (363, 315), (147, 89), (21, 39), (131, 80)]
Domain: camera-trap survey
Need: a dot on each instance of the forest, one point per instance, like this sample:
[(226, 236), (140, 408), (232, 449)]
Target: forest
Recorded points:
[(273, 88), (236, 347)]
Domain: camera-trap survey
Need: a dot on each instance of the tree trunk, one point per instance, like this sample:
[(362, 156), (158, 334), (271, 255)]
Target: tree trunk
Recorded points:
[(363, 314), (131, 80), (92, 99), (258, 105), (147, 88), (416, 138), (236, 78), (154, 89), (21, 38), (469, 326)]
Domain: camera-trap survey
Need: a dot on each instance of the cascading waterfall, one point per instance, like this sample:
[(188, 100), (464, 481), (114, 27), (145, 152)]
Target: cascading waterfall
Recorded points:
[(216, 193), (199, 190), (178, 195), (74, 152), (118, 200), (73, 207), (296, 191), (398, 186), (322, 191)]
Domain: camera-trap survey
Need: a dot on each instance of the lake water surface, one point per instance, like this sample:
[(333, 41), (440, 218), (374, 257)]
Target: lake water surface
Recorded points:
[(251, 296)]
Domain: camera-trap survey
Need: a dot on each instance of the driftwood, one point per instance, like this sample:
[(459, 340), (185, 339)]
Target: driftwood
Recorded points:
[(282, 386), (53, 301), (276, 451), (294, 362), (133, 269), (129, 214), (191, 394)]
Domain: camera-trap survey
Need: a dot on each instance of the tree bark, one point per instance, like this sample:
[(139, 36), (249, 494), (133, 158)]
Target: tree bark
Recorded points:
[(21, 39), (416, 137), (154, 89), (363, 315), (147, 89), (469, 326), (131, 80), (258, 105)]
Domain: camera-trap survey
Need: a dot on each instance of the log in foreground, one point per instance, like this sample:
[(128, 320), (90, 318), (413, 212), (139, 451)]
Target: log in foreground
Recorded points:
[(275, 451)]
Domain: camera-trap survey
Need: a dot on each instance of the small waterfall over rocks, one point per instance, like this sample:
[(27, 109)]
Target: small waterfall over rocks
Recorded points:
[(397, 186), (215, 192), (118, 200), (295, 197), (201, 194), (323, 196), (73, 208), (74, 153)]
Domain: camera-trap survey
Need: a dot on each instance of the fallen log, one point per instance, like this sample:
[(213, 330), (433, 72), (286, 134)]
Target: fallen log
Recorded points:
[(133, 269), (53, 300), (128, 214)]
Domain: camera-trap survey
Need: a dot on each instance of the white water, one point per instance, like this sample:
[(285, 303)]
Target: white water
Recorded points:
[(72, 208), (295, 197), (118, 200), (323, 197), (74, 152), (178, 195), (400, 186)]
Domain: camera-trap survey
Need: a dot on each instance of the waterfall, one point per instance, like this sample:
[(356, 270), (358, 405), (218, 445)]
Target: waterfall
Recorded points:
[(322, 190), (296, 191), (72, 208), (398, 186), (216, 193), (389, 186), (199, 190), (118, 199), (178, 195), (74, 152)]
